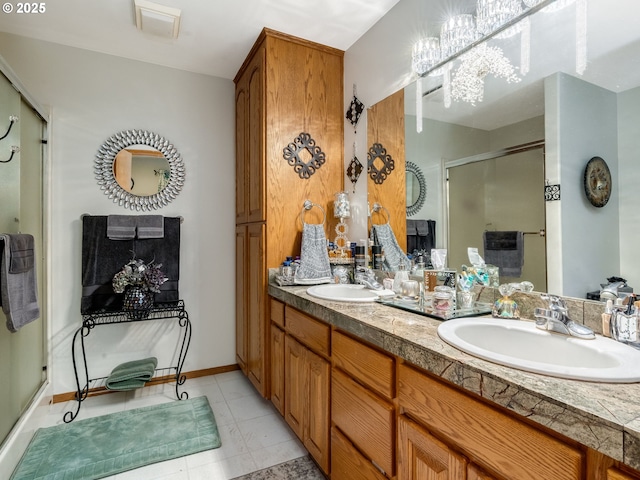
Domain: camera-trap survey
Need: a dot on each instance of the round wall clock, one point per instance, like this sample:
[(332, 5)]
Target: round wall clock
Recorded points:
[(597, 182)]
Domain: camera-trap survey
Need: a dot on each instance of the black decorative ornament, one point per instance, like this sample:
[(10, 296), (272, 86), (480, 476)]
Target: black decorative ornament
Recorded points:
[(378, 155), (356, 107), (551, 193), (292, 153), (354, 170)]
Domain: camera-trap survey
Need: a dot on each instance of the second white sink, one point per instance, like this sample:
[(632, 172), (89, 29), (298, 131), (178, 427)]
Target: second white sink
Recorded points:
[(342, 293), (521, 345)]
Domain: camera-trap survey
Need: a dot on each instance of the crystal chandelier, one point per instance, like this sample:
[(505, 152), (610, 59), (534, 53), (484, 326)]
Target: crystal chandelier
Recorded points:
[(493, 14), (467, 83), (457, 33), (426, 54)]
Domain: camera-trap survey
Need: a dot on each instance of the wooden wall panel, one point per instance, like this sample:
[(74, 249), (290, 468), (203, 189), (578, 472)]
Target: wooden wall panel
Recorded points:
[(385, 125), (304, 94)]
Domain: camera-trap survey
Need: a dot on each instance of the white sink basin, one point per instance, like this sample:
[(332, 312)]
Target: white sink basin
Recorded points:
[(519, 344), (342, 293)]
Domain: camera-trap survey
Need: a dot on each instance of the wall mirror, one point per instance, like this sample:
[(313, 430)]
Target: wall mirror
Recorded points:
[(578, 116), (139, 170), (416, 188)]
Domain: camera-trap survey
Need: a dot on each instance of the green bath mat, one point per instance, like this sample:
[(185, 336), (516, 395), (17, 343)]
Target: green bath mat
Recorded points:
[(110, 444)]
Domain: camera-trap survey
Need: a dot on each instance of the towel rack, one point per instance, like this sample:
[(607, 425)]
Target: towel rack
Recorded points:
[(308, 205), (540, 232), (88, 215), (376, 209)]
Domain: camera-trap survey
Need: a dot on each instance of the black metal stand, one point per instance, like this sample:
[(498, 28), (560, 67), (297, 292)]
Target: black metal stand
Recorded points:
[(90, 321)]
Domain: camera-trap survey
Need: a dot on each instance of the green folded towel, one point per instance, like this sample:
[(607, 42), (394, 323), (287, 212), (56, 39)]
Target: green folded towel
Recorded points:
[(132, 375)]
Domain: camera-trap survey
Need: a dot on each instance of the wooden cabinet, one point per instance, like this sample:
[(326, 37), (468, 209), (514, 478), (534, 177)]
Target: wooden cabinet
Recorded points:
[(277, 368), (420, 455), (615, 474), (347, 463), (362, 390), (285, 87), (494, 441), (251, 326), (306, 383)]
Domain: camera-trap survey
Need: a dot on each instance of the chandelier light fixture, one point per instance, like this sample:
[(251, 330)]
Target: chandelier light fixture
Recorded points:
[(426, 54), (493, 14), (467, 83), (457, 33), (493, 18)]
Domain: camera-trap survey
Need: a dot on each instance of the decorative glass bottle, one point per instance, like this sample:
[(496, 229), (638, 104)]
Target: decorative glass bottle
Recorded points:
[(505, 307)]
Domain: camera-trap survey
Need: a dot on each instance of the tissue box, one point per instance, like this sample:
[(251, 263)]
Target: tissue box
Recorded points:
[(434, 278)]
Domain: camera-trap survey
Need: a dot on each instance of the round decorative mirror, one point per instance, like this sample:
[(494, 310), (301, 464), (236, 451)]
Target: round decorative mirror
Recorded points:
[(139, 170), (416, 188)]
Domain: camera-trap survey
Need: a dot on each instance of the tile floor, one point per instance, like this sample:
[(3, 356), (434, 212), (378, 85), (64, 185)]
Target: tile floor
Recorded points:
[(254, 435)]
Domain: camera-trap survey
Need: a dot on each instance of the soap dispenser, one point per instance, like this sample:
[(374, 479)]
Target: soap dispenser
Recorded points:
[(401, 275)]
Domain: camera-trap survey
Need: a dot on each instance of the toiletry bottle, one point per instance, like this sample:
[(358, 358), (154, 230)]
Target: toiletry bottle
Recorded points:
[(606, 318), (401, 275)]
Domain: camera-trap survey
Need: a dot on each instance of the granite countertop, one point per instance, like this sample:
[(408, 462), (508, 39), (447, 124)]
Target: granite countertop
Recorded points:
[(603, 416)]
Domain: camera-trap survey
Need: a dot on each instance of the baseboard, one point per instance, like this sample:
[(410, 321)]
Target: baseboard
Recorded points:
[(65, 397)]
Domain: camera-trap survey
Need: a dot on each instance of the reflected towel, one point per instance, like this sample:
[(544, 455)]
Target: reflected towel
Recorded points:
[(506, 251), (18, 291), (393, 254), (21, 253), (131, 375), (121, 227), (150, 226), (314, 258)]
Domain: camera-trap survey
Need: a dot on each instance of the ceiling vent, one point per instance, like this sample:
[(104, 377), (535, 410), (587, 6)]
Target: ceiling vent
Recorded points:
[(157, 19)]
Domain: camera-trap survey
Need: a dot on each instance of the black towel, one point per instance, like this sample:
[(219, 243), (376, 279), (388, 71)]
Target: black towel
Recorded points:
[(421, 235), (501, 240), (102, 258), (18, 291)]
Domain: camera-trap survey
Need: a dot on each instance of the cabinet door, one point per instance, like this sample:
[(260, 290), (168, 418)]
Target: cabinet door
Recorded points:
[(422, 456), (316, 438), (242, 160), (295, 385), (615, 474), (256, 306), (241, 297), (255, 139), (277, 368)]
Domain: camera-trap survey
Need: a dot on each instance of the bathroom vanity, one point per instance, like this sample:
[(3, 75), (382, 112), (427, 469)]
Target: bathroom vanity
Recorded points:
[(387, 398)]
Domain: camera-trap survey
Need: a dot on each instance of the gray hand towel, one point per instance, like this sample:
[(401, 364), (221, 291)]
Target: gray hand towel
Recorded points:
[(506, 251), (21, 253), (150, 226), (18, 291), (121, 227), (393, 254), (314, 258)]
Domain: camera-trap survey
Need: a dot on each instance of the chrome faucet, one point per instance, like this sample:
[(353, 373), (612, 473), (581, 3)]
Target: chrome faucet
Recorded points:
[(556, 319), (366, 276)]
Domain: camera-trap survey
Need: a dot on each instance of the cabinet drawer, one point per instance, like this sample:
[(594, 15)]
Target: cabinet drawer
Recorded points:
[(347, 463), (277, 313), (313, 333), (366, 419), (367, 365), (488, 436)]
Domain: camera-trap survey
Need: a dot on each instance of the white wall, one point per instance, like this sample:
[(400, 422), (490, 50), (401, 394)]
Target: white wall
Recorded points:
[(628, 180), (93, 96), (581, 124)]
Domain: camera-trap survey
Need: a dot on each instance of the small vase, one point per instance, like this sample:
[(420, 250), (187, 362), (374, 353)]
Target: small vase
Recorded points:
[(137, 302)]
